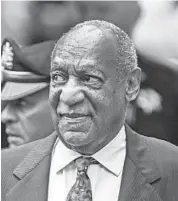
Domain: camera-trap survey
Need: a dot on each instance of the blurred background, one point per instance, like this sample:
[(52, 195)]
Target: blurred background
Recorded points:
[(152, 25)]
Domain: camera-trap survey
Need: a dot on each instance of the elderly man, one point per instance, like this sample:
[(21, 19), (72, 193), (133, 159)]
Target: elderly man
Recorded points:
[(93, 155), (25, 91)]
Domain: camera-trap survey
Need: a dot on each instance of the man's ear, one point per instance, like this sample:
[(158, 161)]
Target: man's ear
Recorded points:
[(133, 84)]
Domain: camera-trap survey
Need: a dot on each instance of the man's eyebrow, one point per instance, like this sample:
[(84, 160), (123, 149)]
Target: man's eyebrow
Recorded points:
[(57, 66), (89, 68)]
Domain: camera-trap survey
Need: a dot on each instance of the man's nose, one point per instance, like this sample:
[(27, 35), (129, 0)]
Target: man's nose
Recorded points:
[(72, 93), (8, 114)]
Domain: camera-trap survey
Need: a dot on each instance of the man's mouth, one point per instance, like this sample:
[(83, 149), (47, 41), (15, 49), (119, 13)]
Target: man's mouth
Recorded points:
[(14, 139), (73, 115), (77, 120)]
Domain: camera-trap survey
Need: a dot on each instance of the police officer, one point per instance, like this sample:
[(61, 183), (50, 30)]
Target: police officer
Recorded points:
[(25, 87)]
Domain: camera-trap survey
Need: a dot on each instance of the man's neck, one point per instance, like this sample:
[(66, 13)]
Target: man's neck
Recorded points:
[(95, 146)]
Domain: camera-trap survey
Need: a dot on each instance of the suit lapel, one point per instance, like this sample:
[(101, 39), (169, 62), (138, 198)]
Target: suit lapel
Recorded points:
[(140, 171), (33, 173), (135, 187)]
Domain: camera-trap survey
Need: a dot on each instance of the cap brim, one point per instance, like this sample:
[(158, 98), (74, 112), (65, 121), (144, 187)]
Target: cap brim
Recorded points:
[(14, 90)]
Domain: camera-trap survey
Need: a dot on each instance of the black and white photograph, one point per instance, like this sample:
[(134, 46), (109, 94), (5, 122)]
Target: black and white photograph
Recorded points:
[(89, 100)]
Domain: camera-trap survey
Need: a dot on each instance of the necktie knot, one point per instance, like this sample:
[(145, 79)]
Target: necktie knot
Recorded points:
[(83, 163)]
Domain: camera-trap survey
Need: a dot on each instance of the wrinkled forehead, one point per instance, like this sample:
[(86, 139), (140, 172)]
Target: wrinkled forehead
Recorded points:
[(81, 41), (86, 37)]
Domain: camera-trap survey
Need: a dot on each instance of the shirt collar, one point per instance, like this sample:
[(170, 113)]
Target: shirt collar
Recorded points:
[(62, 155), (112, 156)]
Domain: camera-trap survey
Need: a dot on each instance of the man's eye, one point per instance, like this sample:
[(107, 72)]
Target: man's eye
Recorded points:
[(21, 103), (58, 78), (88, 79)]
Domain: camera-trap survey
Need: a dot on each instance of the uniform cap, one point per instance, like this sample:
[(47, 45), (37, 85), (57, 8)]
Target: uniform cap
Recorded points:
[(25, 70)]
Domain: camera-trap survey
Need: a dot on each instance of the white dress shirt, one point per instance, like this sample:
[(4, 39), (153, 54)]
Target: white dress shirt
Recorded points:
[(105, 177)]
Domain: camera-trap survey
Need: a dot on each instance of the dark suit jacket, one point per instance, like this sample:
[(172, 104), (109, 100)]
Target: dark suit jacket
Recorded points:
[(150, 170)]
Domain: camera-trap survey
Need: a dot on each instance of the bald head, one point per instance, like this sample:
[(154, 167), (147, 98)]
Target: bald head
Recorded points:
[(88, 36)]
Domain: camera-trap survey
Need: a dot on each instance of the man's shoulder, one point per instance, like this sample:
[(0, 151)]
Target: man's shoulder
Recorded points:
[(18, 162), (13, 156), (154, 145), (10, 159), (160, 145), (162, 152)]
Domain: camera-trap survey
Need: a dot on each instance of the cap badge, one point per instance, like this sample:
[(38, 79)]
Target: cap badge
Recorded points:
[(7, 56)]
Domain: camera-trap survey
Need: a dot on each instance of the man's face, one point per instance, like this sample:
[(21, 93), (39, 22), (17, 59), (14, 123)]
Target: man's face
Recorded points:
[(87, 96), (28, 119)]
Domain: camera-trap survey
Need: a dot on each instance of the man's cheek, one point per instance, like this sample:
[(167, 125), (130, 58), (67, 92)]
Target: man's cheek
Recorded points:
[(54, 97), (53, 100)]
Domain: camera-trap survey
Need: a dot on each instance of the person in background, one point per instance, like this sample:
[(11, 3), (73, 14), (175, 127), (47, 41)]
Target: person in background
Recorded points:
[(93, 154), (25, 88)]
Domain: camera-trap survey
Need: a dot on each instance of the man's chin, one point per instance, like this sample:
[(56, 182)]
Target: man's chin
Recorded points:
[(75, 138)]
